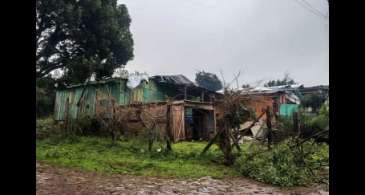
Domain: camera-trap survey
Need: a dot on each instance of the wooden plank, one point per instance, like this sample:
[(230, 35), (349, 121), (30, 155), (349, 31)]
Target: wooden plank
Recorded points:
[(178, 128), (203, 107)]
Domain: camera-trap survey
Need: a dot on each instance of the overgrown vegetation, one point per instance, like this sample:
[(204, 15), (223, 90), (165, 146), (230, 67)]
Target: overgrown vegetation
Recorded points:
[(286, 164), (298, 160), (45, 96), (46, 127), (314, 101), (316, 126)]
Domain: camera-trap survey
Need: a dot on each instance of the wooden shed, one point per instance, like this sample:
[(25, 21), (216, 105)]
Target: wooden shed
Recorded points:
[(183, 119), (191, 112)]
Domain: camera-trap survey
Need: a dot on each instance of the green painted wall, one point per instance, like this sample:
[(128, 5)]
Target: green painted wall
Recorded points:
[(287, 110)]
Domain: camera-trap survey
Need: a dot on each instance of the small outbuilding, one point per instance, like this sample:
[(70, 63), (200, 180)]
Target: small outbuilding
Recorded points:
[(184, 107)]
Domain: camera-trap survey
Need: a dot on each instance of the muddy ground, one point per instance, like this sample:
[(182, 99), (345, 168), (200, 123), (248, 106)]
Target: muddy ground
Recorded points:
[(56, 180)]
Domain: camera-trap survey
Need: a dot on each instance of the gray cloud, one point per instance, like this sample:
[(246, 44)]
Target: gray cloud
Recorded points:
[(262, 38)]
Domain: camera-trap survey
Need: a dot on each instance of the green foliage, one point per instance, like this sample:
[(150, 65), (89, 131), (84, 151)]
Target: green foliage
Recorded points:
[(283, 129), (46, 127), (321, 121), (285, 164), (45, 95), (84, 125), (208, 80), (285, 81), (44, 124), (126, 156), (313, 100), (324, 110), (317, 124), (82, 37)]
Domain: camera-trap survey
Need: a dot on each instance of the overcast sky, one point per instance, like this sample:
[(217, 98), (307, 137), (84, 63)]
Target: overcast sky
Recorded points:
[(263, 39)]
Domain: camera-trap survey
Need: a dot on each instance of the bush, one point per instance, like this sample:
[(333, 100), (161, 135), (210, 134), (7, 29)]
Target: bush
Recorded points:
[(46, 127), (82, 125), (45, 95), (313, 100), (317, 126), (284, 165)]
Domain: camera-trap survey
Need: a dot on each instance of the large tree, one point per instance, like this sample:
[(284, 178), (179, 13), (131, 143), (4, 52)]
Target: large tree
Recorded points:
[(208, 80), (81, 37)]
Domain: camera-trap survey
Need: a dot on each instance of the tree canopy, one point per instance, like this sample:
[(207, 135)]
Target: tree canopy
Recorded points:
[(314, 101), (208, 80), (285, 81), (82, 37)]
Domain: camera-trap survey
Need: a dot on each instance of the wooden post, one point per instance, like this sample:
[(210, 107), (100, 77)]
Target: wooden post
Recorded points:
[(268, 124), (296, 123), (202, 96), (235, 139), (66, 116), (212, 141), (168, 128)]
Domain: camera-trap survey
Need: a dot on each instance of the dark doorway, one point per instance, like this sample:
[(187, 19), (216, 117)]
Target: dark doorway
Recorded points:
[(198, 126), (198, 123)]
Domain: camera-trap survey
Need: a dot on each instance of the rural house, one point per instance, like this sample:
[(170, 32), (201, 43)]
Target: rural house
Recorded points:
[(175, 100), (283, 100)]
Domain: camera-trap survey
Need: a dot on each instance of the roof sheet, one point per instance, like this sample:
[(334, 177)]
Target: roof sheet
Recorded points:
[(173, 79), (96, 82)]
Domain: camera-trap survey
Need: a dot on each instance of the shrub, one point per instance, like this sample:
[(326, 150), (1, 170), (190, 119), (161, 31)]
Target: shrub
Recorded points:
[(80, 125), (284, 165), (46, 127)]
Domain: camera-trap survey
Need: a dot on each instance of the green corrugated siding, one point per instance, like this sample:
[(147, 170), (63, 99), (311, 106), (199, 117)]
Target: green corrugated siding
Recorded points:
[(88, 104), (60, 104), (152, 93), (146, 92), (74, 109)]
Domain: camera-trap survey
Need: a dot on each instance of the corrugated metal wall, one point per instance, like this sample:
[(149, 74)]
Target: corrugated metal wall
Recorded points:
[(60, 104), (88, 102), (146, 92)]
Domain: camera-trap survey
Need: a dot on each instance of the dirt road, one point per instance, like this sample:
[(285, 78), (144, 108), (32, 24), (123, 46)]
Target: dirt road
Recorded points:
[(55, 180)]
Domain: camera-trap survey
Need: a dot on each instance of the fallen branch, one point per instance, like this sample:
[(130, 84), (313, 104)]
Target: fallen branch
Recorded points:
[(212, 141)]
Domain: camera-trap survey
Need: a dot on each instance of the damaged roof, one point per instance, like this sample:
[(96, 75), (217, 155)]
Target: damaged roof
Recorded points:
[(180, 82), (104, 81), (172, 79)]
